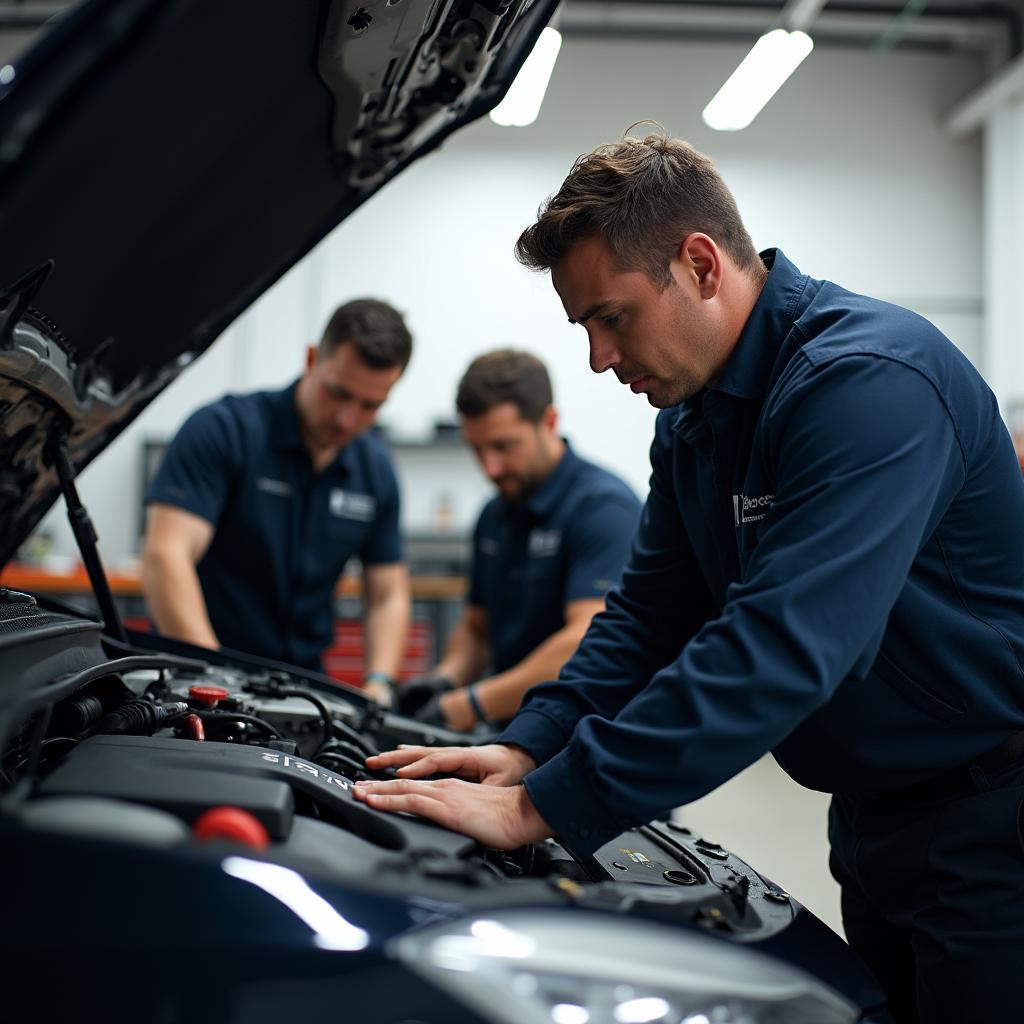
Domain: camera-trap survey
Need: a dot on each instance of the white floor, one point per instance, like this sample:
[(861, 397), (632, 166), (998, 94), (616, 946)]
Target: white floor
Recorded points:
[(777, 827)]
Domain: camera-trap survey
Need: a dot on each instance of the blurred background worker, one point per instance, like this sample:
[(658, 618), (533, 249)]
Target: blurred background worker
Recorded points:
[(262, 498), (546, 549)]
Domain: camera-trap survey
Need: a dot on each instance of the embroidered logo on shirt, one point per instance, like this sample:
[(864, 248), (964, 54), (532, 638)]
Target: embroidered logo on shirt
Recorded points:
[(544, 543), (279, 487), (349, 505), (488, 546), (749, 510)]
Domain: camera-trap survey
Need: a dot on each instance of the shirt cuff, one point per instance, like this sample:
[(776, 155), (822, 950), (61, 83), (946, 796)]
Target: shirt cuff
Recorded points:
[(538, 734), (564, 794)]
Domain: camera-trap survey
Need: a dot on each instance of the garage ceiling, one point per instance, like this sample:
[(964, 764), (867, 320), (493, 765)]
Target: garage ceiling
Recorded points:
[(992, 27), (936, 24)]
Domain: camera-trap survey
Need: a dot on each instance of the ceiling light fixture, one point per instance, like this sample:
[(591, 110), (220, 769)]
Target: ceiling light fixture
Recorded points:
[(773, 58), (522, 102)]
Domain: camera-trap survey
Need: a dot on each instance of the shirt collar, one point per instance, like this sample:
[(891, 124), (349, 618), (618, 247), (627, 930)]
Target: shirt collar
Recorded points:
[(544, 499), (748, 369), (284, 429)]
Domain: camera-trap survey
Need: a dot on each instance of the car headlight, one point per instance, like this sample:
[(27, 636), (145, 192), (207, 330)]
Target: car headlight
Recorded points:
[(537, 967)]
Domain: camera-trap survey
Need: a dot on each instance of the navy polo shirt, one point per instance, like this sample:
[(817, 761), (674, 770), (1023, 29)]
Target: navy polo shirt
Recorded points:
[(283, 532), (568, 541), (830, 565)]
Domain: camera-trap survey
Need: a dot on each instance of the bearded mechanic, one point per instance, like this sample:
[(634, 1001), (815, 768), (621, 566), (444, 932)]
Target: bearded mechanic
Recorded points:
[(546, 549), (829, 566)]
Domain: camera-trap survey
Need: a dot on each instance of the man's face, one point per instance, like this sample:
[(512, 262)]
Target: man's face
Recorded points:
[(339, 396), (664, 344), (515, 455)]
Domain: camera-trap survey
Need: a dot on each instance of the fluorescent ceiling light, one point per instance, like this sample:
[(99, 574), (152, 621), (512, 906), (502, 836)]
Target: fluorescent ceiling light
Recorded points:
[(773, 58), (521, 104)]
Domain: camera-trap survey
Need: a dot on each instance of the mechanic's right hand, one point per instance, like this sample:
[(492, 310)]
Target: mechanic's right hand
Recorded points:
[(414, 694), (502, 817), (496, 764)]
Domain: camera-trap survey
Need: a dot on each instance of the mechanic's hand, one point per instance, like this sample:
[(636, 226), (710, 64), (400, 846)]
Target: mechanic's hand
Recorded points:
[(381, 691), (451, 709), (502, 818), (432, 713), (496, 764), (417, 692)]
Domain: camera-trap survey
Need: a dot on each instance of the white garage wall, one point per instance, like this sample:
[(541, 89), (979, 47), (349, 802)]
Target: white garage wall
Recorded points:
[(848, 169)]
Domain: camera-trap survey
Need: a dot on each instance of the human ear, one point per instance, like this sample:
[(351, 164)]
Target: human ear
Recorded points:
[(702, 262)]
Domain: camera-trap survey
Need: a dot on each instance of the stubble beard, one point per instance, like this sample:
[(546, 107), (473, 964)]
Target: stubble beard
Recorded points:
[(528, 483), (687, 382)]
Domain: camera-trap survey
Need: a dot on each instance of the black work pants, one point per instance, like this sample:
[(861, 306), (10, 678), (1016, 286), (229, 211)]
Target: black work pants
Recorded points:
[(933, 898)]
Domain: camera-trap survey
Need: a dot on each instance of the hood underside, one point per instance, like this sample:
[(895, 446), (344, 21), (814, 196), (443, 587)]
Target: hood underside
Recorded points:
[(161, 165)]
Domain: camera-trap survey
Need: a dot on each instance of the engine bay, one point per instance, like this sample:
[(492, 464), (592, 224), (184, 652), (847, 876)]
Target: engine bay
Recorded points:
[(135, 745)]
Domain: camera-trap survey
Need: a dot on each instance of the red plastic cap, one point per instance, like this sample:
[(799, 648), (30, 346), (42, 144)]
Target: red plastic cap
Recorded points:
[(233, 824), (208, 694)]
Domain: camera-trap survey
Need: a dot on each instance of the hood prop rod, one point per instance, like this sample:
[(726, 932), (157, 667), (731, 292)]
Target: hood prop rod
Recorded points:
[(85, 533)]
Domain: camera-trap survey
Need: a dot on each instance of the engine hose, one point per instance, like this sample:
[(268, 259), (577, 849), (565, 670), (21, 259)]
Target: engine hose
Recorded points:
[(325, 714), (353, 737), (337, 746), (138, 718), (337, 761)]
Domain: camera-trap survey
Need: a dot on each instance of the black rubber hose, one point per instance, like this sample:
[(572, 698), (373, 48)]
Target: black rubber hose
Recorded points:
[(343, 747), (341, 762), (325, 714), (352, 736)]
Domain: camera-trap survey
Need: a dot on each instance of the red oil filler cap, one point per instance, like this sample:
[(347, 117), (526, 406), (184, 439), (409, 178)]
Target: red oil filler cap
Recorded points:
[(207, 695), (233, 824)]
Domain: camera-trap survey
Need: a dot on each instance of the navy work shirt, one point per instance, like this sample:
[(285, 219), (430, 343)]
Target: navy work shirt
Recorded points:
[(283, 532), (830, 564), (567, 542)]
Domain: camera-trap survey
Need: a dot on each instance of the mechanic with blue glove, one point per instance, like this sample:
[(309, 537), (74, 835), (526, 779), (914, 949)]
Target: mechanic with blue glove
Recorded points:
[(830, 566), (263, 498), (546, 549)]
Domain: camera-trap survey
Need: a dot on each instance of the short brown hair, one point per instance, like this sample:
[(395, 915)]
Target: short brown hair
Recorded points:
[(505, 375), (643, 197), (375, 329)]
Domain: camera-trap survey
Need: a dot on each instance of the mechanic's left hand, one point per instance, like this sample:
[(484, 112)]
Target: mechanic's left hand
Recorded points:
[(501, 817), (451, 710), (432, 713)]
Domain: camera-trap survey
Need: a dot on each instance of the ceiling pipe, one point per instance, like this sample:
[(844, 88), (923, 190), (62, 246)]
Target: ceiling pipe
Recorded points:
[(799, 15), (989, 34)]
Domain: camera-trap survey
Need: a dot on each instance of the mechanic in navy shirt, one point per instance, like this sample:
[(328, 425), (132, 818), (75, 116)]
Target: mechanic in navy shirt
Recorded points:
[(546, 548), (262, 498), (830, 565)]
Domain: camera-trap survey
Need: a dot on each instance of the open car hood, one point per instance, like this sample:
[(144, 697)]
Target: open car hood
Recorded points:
[(161, 165)]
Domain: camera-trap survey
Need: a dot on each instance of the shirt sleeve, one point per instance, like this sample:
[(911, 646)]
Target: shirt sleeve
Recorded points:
[(661, 602), (598, 545), (867, 459), (201, 464), (384, 544)]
